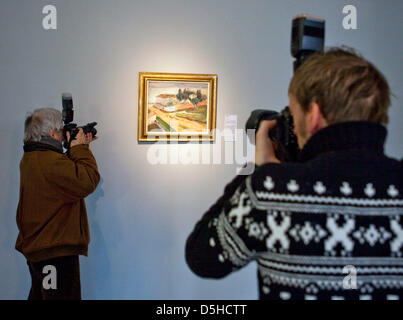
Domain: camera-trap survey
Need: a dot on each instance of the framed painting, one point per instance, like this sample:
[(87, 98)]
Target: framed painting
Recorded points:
[(177, 107)]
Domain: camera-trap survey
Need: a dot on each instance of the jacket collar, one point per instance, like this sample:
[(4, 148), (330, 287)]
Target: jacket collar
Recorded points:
[(45, 144), (343, 136)]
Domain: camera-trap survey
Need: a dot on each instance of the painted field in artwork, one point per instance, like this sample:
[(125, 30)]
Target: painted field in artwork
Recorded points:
[(177, 107)]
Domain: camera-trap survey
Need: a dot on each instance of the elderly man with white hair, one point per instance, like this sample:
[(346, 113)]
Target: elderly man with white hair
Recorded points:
[(51, 213)]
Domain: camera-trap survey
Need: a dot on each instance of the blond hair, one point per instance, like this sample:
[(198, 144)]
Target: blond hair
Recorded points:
[(345, 86)]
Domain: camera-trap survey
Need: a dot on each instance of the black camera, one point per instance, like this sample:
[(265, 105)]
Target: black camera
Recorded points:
[(307, 37), (69, 126), (282, 133)]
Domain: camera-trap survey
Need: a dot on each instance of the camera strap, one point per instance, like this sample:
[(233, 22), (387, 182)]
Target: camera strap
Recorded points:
[(73, 134)]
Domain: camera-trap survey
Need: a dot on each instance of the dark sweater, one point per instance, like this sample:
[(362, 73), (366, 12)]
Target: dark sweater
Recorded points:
[(340, 205), (51, 214)]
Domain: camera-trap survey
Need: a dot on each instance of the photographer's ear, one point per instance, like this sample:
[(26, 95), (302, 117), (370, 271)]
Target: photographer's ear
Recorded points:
[(52, 133), (316, 120), (56, 134)]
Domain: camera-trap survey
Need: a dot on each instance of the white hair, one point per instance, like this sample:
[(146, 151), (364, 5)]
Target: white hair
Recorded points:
[(39, 123)]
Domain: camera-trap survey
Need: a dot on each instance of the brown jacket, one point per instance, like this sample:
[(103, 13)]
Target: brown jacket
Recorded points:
[(51, 214)]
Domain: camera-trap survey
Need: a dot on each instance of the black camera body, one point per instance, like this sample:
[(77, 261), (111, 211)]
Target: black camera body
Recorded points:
[(282, 133), (307, 37), (69, 126)]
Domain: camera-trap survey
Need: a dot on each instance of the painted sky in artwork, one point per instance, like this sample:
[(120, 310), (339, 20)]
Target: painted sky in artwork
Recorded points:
[(171, 87)]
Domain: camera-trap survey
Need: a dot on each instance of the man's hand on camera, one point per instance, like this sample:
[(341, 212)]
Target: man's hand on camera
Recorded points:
[(265, 148), (81, 138)]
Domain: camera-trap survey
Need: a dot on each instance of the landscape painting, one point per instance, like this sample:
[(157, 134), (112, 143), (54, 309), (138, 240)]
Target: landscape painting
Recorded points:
[(178, 107)]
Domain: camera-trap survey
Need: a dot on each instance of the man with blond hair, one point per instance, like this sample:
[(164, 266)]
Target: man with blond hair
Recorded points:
[(327, 226), (51, 214)]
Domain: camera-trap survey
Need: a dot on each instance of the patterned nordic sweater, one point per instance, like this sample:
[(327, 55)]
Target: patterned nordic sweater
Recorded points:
[(327, 227)]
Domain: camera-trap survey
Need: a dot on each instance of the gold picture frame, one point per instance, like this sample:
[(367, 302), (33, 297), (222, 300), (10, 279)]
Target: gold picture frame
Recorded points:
[(177, 107)]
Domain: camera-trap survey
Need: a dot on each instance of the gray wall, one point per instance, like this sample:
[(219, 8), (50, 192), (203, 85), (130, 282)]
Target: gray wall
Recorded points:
[(141, 214)]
